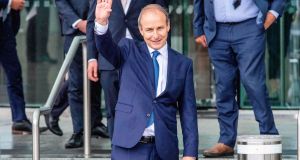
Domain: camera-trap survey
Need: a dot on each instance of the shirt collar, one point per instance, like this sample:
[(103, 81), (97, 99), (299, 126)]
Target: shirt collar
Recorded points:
[(163, 50)]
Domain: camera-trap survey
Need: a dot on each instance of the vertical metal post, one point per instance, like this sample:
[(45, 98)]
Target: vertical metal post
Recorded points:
[(87, 109), (36, 135), (282, 97), (298, 136)]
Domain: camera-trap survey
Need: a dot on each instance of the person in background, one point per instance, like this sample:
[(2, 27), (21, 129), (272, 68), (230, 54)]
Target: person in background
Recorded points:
[(9, 27), (73, 15), (234, 32)]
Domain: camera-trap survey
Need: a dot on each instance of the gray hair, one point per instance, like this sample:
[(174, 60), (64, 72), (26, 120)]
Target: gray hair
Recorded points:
[(156, 7)]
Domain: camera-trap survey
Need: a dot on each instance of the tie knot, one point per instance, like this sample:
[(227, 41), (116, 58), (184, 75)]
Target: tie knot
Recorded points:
[(155, 54)]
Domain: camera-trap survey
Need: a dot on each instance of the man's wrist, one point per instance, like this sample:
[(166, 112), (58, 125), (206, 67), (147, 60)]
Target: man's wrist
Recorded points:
[(101, 21), (75, 24)]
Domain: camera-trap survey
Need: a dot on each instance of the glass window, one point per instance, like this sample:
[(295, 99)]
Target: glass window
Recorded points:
[(282, 60), (40, 51)]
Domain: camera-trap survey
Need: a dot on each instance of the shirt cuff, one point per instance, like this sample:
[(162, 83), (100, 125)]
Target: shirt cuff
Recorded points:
[(274, 13), (100, 29), (74, 25), (93, 59)]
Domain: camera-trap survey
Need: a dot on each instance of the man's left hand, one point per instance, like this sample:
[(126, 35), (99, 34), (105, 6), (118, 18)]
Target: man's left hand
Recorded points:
[(82, 26), (188, 158), (270, 19)]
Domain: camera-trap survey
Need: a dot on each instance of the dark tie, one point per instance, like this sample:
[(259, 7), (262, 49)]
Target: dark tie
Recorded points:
[(236, 3), (156, 74)]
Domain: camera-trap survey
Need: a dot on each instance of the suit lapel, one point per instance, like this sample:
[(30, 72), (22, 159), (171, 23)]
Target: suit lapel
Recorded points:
[(131, 5), (171, 67), (150, 67), (120, 5)]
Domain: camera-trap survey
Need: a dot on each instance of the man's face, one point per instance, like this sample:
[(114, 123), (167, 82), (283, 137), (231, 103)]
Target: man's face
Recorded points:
[(154, 28)]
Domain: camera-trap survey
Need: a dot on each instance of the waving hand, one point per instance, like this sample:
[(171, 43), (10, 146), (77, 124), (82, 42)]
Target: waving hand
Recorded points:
[(103, 10)]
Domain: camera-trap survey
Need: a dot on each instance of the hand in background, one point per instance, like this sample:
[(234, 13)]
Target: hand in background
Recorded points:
[(103, 10), (17, 4), (270, 19), (82, 26), (201, 40), (93, 71)]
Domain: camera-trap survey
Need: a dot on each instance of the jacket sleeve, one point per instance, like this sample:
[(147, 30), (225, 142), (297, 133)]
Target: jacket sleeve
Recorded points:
[(188, 115), (198, 20), (91, 46), (116, 54), (278, 6), (65, 9)]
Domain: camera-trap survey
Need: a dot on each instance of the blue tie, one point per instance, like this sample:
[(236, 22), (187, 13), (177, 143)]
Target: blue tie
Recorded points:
[(156, 74)]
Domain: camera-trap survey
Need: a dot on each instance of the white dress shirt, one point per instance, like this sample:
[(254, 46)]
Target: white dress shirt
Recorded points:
[(162, 60), (225, 12), (127, 34)]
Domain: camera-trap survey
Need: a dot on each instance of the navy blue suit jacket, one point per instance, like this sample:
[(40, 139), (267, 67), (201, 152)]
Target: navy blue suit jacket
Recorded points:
[(118, 22), (15, 16), (69, 12), (3, 4), (137, 97), (204, 18)]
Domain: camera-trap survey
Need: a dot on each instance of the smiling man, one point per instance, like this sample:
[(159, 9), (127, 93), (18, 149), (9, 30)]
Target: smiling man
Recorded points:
[(155, 83)]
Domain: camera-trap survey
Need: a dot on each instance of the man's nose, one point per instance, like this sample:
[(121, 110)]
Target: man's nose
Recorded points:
[(155, 34)]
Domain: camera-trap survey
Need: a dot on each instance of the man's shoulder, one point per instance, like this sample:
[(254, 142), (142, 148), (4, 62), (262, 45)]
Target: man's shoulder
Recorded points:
[(129, 42), (180, 56)]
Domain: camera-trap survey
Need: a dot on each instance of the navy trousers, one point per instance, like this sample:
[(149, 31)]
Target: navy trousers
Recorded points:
[(75, 91), (12, 68), (139, 152), (110, 84), (240, 47)]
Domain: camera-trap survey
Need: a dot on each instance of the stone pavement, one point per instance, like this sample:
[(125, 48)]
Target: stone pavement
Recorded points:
[(52, 147)]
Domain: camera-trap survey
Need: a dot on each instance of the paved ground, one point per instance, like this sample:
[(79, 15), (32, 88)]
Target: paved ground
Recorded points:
[(52, 147)]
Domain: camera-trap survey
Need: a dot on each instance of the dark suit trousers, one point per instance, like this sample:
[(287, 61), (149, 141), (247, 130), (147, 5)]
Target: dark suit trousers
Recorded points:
[(139, 152), (240, 48), (11, 65), (110, 84), (75, 91), (61, 102)]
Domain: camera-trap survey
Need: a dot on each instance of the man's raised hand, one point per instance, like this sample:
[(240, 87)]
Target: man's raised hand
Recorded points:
[(103, 10)]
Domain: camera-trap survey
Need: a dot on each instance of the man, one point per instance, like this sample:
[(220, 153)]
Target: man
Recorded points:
[(234, 32), (73, 14), (155, 82), (123, 23), (9, 26)]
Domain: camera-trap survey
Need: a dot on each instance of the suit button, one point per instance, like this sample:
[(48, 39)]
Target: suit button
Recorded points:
[(154, 101), (125, 20), (148, 114)]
